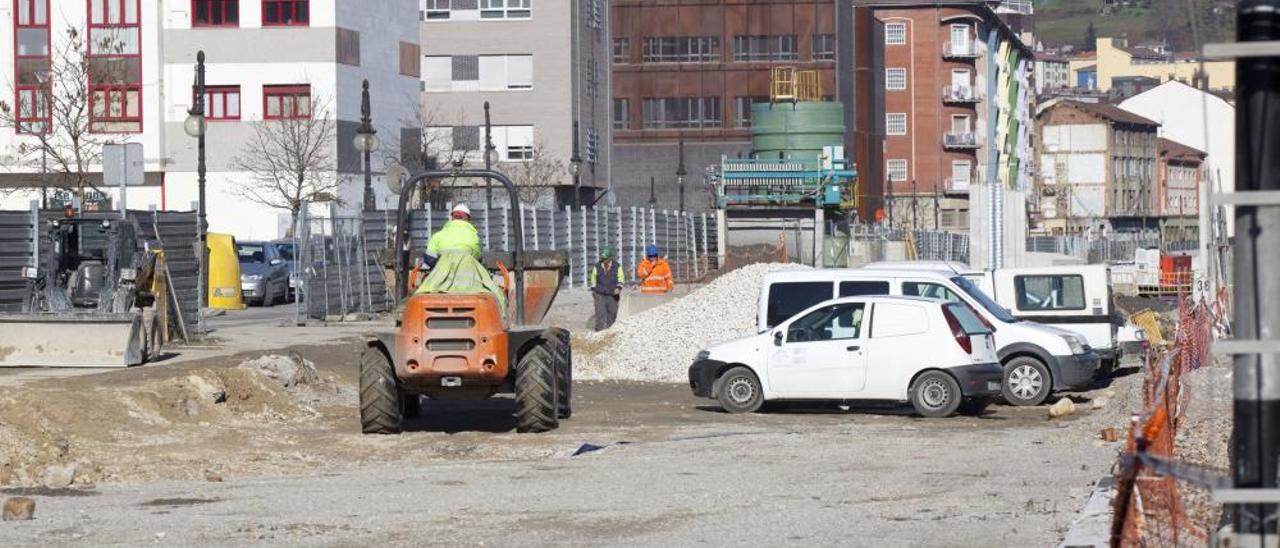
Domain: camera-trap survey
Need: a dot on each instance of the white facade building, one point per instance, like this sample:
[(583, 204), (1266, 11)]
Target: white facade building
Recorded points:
[(264, 59), (1194, 118)]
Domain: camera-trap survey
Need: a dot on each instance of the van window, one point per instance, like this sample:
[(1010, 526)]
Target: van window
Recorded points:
[(968, 319), (897, 320), (929, 290), (1044, 292), (829, 323), (863, 287), (790, 298)]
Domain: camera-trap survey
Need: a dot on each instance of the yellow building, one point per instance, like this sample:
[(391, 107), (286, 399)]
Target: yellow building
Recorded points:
[(1114, 58)]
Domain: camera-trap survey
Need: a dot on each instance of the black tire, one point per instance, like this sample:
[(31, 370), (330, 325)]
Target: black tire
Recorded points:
[(536, 398), (974, 406), (1026, 382), (564, 373), (935, 394), (380, 403), (739, 391)]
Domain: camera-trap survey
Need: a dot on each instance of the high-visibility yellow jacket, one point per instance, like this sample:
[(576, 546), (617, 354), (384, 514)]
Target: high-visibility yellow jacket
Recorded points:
[(655, 276), (455, 235)]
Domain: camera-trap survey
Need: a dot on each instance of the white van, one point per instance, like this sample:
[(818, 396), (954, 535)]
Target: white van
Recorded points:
[(937, 355), (1037, 359), (1076, 298)]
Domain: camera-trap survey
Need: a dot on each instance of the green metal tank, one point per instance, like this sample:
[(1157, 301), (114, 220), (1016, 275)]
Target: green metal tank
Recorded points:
[(797, 130)]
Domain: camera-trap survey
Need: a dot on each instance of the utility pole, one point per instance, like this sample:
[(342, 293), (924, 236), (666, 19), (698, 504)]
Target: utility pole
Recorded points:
[(1256, 375), (889, 199), (915, 217), (488, 161)]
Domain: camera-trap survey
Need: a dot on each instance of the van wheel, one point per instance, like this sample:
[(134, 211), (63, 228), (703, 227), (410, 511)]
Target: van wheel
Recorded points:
[(1026, 381), (935, 394), (740, 391)]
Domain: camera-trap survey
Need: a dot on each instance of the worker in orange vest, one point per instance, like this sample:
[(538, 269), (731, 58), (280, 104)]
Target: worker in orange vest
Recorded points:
[(654, 273)]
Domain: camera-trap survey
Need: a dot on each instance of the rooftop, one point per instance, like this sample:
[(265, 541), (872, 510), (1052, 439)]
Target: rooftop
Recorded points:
[(1106, 112), (1176, 149)]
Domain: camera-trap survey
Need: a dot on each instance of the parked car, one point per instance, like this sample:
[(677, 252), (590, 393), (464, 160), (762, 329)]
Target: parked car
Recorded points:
[(937, 355), (1037, 359), (285, 248), (264, 274)]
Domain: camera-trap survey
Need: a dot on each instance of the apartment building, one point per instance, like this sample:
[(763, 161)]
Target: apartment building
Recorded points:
[(1053, 72), (543, 68), (690, 71), (1097, 168), (1179, 170), (266, 60), (955, 85), (1116, 58)]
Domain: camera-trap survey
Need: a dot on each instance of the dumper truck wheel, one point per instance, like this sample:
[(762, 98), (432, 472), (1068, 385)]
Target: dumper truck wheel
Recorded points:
[(380, 405), (536, 400), (564, 374)]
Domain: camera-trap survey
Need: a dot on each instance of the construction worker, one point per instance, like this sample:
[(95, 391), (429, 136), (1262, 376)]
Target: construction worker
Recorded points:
[(453, 254), (605, 281), (654, 273)]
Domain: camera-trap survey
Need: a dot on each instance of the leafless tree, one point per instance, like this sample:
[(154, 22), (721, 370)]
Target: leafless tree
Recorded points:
[(290, 161), (536, 176), (64, 144)]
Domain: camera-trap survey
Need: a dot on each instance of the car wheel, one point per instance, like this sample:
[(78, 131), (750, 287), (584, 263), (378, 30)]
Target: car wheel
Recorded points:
[(1026, 381), (740, 391), (935, 394)]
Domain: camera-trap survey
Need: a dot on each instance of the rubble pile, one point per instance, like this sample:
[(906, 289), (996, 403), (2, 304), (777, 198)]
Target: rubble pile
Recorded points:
[(659, 344)]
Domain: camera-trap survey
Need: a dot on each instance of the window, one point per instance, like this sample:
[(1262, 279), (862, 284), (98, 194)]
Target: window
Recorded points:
[(622, 113), (31, 64), (222, 103), (466, 68), (593, 145), (961, 172), (410, 60), (960, 124), (895, 78), (286, 13), (215, 13), (682, 49), (348, 47), (898, 320), (863, 287), (505, 9), (765, 48), (681, 112), (286, 102), (895, 34), (622, 50), (824, 47), (436, 9), (742, 109), (960, 38), (499, 72), (896, 170), (895, 123), (115, 66), (1049, 292), (837, 322), (467, 137), (929, 290), (787, 299)]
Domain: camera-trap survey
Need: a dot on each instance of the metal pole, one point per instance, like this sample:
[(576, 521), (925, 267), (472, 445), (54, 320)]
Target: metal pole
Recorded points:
[(201, 221), (575, 166), (367, 133), (915, 218), (1256, 376), (488, 162), (653, 192)]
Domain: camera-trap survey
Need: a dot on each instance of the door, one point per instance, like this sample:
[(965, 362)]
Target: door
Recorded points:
[(960, 82), (960, 125), (960, 38), (820, 354)]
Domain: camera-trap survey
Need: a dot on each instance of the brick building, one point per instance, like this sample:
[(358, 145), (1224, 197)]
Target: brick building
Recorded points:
[(1178, 175)]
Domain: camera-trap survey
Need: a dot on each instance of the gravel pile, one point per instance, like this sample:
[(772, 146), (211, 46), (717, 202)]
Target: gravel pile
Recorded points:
[(659, 344)]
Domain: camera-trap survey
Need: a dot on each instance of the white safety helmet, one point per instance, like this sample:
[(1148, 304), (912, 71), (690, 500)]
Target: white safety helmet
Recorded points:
[(460, 208)]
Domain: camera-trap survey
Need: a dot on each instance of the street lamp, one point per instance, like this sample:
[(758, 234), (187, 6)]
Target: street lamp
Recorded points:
[(195, 126), (680, 175), (575, 167), (366, 141)]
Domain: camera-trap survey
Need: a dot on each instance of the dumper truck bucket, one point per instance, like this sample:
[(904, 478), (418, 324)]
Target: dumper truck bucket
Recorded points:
[(543, 272), (70, 340)]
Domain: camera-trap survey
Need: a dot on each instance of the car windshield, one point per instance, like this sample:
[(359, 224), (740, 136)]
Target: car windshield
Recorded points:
[(285, 251), (976, 294), (251, 253)]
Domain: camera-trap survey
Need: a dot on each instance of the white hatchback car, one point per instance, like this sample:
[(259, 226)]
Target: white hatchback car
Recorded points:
[(936, 355)]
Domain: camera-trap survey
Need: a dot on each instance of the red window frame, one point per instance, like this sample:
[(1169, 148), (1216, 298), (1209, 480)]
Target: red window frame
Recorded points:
[(222, 4), (219, 95), (22, 123), (293, 7), (112, 91), (290, 93)]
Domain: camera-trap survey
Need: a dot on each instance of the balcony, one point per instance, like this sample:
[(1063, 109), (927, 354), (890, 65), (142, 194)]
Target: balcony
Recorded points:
[(954, 94), (966, 140), (960, 50), (953, 185)]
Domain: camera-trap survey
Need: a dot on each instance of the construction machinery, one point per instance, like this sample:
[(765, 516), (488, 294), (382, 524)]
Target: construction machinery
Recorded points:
[(464, 346), (96, 299)]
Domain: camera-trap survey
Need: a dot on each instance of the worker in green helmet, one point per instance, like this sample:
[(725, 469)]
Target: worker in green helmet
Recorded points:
[(605, 282)]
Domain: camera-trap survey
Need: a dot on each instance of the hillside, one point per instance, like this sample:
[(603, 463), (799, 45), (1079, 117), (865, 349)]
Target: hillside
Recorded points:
[(1062, 22)]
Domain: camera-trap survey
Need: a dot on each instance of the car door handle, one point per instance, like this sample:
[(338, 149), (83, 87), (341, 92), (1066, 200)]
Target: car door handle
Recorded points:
[(854, 348)]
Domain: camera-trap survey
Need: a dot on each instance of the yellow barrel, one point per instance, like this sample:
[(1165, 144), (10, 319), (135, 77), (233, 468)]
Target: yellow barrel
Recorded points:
[(224, 273)]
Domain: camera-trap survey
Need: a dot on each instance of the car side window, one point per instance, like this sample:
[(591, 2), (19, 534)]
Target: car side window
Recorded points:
[(929, 290), (829, 323)]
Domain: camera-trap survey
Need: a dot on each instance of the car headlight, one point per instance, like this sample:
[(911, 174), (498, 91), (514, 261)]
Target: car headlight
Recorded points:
[(702, 355), (252, 277), (1074, 343)]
